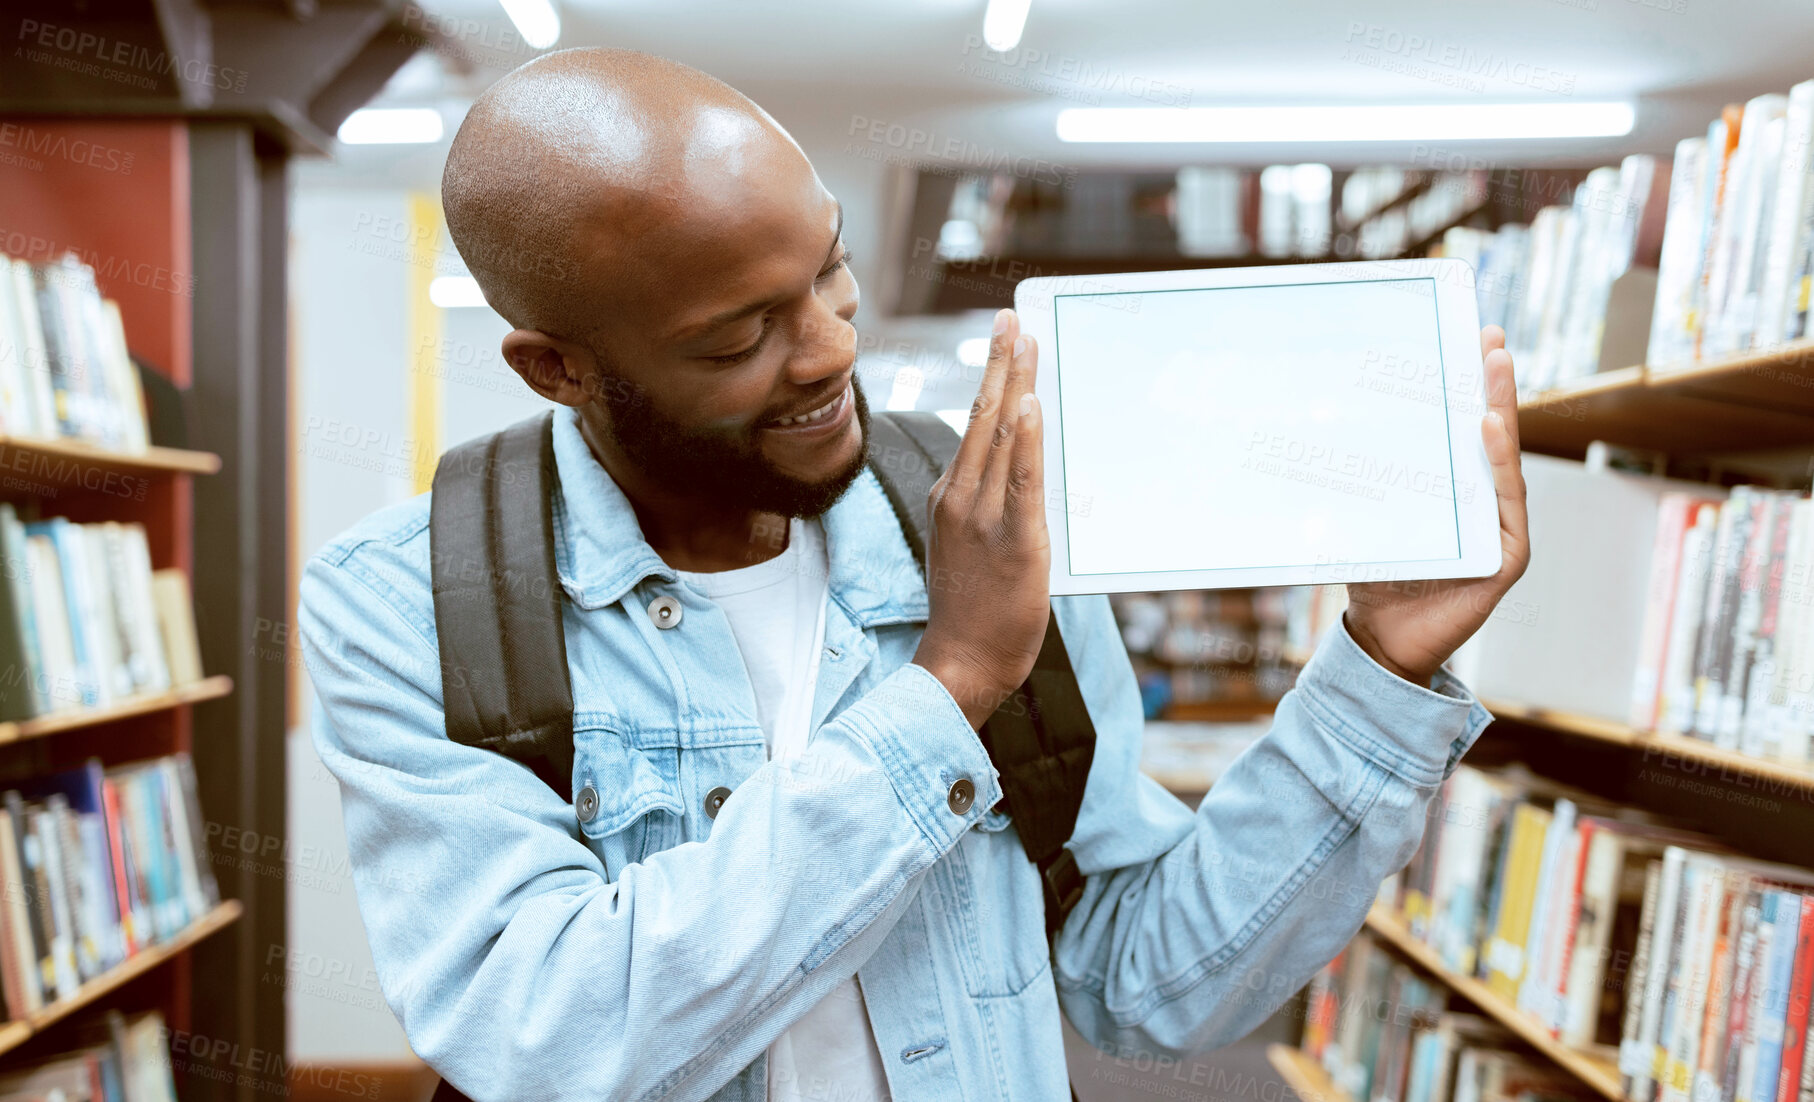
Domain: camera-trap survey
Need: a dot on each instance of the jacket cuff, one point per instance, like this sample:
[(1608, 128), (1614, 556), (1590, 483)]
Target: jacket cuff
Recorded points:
[(1418, 734), (920, 735)]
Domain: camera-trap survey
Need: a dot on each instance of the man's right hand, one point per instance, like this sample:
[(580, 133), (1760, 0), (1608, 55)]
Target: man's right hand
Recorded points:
[(988, 563)]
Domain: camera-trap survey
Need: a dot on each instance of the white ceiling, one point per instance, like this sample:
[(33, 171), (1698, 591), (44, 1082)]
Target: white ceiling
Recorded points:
[(818, 65), (828, 68)]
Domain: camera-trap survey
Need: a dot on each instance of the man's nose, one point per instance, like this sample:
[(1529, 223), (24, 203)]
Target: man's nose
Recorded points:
[(827, 346)]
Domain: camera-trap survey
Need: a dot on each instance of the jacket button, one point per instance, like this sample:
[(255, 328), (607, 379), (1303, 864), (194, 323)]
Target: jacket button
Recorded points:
[(961, 796), (715, 800), (665, 612), (585, 805)]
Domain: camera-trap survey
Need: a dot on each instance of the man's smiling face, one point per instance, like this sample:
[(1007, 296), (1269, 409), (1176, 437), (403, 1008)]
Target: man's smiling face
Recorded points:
[(701, 318)]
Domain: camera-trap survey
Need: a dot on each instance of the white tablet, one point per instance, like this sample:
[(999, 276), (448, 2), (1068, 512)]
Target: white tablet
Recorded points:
[(1286, 425)]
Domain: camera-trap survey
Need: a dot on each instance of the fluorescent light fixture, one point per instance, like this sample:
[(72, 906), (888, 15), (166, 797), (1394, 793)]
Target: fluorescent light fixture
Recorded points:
[(456, 292), (391, 126), (1003, 21), (1404, 123), (973, 351), (536, 21)]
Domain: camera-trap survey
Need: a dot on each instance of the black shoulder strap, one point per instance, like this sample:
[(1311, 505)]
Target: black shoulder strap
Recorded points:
[(504, 680), (1041, 739)]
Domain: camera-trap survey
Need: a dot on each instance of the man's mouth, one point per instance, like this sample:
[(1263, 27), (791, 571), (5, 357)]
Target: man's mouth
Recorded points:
[(829, 410)]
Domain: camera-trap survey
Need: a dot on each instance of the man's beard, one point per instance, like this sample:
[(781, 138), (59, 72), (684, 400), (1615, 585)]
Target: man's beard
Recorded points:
[(726, 466)]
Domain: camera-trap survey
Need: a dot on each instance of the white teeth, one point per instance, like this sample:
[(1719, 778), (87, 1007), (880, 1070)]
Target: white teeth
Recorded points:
[(815, 415)]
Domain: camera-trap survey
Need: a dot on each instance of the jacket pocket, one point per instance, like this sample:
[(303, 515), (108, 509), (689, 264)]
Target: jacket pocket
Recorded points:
[(626, 799), (990, 900)]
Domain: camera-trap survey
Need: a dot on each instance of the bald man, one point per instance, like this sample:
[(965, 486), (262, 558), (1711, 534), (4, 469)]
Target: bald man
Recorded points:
[(780, 872)]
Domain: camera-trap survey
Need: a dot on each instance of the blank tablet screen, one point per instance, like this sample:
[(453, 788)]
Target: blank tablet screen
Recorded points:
[(1266, 426)]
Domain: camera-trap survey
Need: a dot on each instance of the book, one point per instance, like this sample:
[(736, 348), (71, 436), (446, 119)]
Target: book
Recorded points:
[(1679, 267), (1795, 1020), (1785, 240), (1782, 909), (175, 618), (1728, 633)]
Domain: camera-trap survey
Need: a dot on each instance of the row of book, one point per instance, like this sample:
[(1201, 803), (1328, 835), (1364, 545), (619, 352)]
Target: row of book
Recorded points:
[(1735, 259), (1727, 651), (121, 1059), (64, 367), (96, 865), (1548, 284), (1621, 934), (1384, 1034), (1738, 247), (1203, 647), (84, 620)]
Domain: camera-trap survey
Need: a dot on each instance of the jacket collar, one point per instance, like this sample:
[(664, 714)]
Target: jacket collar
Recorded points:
[(600, 552)]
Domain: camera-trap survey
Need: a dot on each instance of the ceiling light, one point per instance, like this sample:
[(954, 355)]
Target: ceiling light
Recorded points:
[(1003, 21), (391, 126), (1405, 123), (455, 292), (536, 21), (973, 351)]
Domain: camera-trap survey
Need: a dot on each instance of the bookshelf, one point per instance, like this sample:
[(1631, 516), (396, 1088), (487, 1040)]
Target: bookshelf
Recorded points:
[(153, 460), (16, 1033), (1601, 1075), (1592, 727), (1763, 399), (208, 688), (1304, 1075), (208, 493)]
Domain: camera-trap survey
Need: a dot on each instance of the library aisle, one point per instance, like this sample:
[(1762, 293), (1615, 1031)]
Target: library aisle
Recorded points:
[(235, 324)]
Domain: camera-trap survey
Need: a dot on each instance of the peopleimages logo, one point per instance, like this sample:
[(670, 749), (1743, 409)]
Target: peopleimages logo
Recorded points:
[(913, 141), (96, 54)]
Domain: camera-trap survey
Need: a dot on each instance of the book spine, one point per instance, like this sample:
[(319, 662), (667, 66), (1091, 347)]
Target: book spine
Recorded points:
[(1795, 1019), (1786, 920), (1743, 969), (1659, 605)]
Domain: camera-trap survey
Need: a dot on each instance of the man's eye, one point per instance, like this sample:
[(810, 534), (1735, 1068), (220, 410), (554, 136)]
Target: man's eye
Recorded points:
[(735, 358), (843, 261)]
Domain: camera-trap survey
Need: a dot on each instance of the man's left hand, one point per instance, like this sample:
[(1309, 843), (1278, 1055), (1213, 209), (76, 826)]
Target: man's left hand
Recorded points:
[(1411, 628)]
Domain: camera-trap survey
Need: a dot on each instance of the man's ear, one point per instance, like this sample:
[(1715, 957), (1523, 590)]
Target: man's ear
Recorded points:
[(554, 368)]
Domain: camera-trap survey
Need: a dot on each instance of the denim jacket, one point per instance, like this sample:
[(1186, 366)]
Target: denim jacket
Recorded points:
[(655, 949)]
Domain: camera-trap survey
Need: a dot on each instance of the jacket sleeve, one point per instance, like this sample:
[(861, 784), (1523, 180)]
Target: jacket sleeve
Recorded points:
[(518, 970), (1194, 928)]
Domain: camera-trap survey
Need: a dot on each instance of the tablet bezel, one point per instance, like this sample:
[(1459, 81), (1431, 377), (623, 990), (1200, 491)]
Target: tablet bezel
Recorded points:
[(1458, 323)]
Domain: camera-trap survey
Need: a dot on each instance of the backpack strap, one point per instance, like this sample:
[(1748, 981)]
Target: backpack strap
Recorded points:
[(504, 680), (1041, 739), (505, 683)]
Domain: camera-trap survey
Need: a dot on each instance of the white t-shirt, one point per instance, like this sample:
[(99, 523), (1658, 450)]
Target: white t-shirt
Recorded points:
[(777, 614)]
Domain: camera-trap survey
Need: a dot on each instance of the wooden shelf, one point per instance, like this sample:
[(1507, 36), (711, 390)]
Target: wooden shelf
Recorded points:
[(1602, 1075), (1730, 762), (208, 688), (1759, 400), (15, 1033), (1238, 710), (1304, 1075), (56, 452)]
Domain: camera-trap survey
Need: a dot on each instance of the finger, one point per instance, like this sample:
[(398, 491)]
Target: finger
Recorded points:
[(1508, 488), (1491, 337), (966, 467), (1019, 382), (1502, 390), (1023, 505)]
